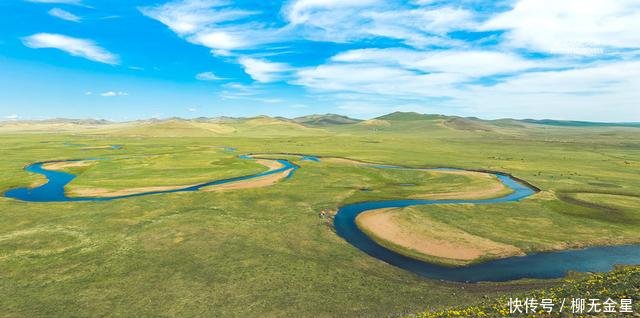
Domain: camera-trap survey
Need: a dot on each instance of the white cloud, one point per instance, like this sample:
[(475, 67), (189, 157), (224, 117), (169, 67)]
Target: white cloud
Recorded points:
[(407, 73), (113, 94), (343, 21), (192, 109), (576, 27), (601, 92), (74, 46), (208, 76), (301, 11), (424, 63), (453, 80), (224, 29), (12, 117), (191, 16), (88, 93), (64, 15), (377, 79), (208, 23), (472, 63), (222, 41), (253, 92), (262, 70)]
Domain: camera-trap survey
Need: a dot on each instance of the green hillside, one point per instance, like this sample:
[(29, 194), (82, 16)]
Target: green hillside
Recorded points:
[(326, 119)]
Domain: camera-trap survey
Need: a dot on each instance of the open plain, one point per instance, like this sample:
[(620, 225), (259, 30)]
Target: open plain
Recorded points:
[(269, 248)]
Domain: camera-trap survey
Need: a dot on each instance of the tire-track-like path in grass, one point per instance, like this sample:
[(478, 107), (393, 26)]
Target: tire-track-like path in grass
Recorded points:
[(539, 265)]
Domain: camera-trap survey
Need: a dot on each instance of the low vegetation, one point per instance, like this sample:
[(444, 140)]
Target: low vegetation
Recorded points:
[(266, 251), (622, 283)]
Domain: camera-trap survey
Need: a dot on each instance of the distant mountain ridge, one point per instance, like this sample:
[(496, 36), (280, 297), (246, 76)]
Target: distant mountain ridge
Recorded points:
[(315, 121), (575, 123)]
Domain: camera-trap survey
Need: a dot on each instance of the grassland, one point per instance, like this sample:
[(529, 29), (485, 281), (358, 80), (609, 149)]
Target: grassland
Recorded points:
[(265, 251), (621, 283)]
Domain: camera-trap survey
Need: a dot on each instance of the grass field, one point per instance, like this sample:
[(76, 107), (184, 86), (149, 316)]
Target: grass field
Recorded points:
[(266, 251)]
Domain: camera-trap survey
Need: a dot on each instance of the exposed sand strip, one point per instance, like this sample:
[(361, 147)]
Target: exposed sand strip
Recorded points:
[(66, 164), (433, 238), (107, 193), (269, 163), (251, 183)]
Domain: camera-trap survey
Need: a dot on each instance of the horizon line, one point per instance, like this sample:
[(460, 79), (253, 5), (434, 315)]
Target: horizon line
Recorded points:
[(532, 120)]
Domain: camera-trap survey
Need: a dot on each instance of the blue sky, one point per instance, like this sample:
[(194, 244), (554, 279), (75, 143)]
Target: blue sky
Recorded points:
[(124, 60)]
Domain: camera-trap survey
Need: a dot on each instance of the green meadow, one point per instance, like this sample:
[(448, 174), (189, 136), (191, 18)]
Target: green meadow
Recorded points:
[(266, 251)]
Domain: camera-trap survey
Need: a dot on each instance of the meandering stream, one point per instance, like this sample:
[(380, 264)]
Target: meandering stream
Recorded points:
[(539, 265), (53, 190)]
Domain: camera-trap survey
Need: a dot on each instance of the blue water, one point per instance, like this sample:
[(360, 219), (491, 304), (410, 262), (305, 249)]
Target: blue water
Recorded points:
[(540, 265), (310, 158), (53, 190)]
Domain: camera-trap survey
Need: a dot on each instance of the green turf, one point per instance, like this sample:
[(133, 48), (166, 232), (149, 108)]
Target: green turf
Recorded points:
[(265, 251), (621, 283)]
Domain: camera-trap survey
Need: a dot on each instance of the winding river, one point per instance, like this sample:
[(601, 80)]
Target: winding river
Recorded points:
[(538, 265), (53, 190)]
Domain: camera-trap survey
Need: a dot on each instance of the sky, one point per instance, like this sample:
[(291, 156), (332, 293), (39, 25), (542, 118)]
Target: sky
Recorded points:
[(133, 59)]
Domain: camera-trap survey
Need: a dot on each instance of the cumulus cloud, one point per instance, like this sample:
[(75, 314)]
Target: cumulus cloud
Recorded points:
[(64, 15), (77, 47), (575, 27)]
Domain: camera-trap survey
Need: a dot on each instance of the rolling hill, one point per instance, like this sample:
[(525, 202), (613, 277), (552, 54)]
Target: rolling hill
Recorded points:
[(326, 119), (280, 126)]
